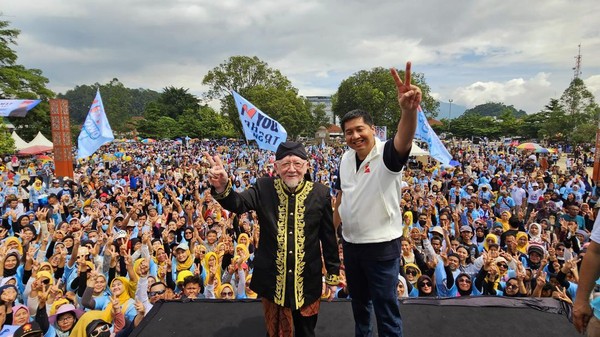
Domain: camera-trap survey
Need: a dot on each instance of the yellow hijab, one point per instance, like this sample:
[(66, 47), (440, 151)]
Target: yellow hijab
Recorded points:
[(522, 248), (205, 265), (187, 264), (223, 286), (486, 246), (105, 314)]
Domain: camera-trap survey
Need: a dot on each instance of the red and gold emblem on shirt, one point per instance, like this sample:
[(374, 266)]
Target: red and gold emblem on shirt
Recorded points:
[(367, 168)]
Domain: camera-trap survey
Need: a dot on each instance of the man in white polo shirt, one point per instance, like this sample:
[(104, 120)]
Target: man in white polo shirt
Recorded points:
[(370, 181)]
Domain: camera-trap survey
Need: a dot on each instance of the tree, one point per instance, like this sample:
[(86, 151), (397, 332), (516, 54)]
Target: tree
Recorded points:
[(175, 101), (582, 110), (204, 123), (121, 103), (318, 118), (375, 91), (7, 144), (255, 81), (495, 109), (19, 82)]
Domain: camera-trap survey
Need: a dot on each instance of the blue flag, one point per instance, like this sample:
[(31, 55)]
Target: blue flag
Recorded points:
[(266, 131), (95, 131), (425, 133)]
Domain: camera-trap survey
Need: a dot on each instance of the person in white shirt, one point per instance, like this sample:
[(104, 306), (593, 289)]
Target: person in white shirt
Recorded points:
[(369, 209)]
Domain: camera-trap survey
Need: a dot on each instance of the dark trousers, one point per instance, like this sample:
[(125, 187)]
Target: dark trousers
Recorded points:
[(304, 326), (372, 285)]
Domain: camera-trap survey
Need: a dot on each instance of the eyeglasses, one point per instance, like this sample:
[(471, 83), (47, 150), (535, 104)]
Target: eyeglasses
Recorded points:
[(66, 318), (297, 164), (425, 284), (464, 280), (154, 293), (511, 285), (227, 293), (99, 330), (411, 272), (502, 265)]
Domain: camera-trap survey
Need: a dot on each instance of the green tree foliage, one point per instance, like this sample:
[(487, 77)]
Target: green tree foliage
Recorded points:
[(120, 103), (375, 91), (7, 144), (495, 109), (19, 82), (318, 118), (475, 125), (265, 87), (175, 101), (205, 123)]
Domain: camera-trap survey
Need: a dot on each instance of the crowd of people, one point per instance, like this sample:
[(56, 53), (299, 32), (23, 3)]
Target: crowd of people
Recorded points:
[(90, 255)]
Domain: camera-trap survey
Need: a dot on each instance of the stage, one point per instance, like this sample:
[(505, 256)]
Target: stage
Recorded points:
[(422, 317)]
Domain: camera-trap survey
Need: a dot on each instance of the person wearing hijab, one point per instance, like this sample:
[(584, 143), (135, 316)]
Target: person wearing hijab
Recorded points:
[(402, 288), (9, 294), (20, 314), (64, 320), (183, 259), (535, 233), (489, 239), (522, 242), (120, 288), (412, 272), (426, 287)]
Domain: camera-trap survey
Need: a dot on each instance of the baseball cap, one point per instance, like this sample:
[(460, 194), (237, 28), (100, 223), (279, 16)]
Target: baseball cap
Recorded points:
[(182, 275), (438, 229), (183, 246), (466, 229), (122, 234)]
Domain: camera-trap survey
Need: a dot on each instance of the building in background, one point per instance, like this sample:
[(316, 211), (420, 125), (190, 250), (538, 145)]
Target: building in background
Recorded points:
[(325, 100)]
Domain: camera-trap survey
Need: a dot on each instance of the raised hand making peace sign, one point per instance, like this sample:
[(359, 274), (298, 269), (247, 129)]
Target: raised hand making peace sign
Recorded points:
[(409, 96), (217, 176)]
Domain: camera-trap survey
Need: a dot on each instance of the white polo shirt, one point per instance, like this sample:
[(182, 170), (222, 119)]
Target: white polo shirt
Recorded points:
[(370, 208)]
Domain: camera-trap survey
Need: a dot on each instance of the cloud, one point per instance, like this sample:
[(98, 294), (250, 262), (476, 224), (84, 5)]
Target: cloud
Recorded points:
[(469, 51), (522, 93)]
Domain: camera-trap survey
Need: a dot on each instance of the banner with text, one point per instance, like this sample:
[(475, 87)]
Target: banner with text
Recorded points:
[(266, 131), (17, 107)]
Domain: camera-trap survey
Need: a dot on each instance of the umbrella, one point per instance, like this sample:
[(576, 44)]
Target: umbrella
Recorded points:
[(148, 140), (44, 157), (529, 146), (541, 150)]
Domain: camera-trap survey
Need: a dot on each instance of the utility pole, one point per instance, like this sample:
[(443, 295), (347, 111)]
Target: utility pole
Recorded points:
[(449, 112), (577, 68)]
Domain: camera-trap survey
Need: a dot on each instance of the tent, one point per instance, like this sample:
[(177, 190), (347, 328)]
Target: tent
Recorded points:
[(36, 149), (41, 140), (417, 151), (19, 142)]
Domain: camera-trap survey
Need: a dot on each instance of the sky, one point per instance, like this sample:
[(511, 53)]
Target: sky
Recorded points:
[(521, 53)]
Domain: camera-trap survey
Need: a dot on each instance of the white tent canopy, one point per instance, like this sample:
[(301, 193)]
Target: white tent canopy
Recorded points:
[(40, 140), (19, 142), (417, 151)]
